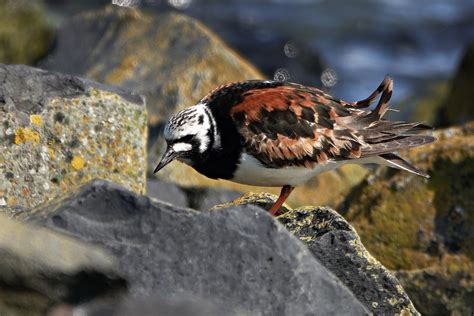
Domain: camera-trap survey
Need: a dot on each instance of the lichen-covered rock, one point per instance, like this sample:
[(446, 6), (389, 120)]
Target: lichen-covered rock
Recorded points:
[(58, 131), (174, 61), (458, 107), (412, 223), (39, 267), (335, 243), (239, 257), (25, 35)]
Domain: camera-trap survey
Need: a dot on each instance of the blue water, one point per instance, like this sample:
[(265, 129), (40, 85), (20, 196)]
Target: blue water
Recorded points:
[(416, 42)]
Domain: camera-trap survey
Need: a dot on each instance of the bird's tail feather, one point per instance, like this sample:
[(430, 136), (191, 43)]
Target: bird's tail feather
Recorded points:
[(397, 162), (370, 99), (396, 143)]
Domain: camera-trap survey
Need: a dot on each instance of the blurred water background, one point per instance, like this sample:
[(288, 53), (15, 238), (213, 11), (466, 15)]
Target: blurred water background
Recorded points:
[(354, 43)]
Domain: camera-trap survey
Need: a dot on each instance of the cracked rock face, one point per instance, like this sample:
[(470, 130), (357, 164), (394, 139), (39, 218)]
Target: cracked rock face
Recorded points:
[(239, 257), (59, 131)]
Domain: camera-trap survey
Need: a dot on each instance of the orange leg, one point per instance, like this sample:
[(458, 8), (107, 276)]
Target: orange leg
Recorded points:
[(284, 194)]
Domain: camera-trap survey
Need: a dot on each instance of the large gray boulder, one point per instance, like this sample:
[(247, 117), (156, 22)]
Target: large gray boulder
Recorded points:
[(58, 131), (336, 244), (40, 268), (240, 257)]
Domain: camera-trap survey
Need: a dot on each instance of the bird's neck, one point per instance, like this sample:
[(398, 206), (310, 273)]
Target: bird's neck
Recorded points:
[(221, 161)]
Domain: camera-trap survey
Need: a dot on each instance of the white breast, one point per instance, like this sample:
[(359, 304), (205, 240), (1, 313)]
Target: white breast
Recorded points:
[(251, 171)]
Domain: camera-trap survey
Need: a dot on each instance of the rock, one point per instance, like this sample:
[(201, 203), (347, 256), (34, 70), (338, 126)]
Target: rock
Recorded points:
[(174, 61), (155, 306), (202, 198), (424, 105), (198, 198), (457, 108), (167, 192), (240, 257), (39, 268), (25, 34), (170, 58), (335, 243), (58, 131), (412, 223), (443, 292)]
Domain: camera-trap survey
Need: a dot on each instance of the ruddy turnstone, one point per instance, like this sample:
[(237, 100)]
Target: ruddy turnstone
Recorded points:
[(272, 133)]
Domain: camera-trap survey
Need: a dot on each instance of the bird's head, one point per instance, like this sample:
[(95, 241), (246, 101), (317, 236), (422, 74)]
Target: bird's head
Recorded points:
[(190, 134)]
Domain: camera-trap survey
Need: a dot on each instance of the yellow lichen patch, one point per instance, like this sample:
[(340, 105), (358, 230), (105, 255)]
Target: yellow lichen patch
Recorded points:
[(123, 71), (36, 119), (51, 153), (26, 134), (77, 163)]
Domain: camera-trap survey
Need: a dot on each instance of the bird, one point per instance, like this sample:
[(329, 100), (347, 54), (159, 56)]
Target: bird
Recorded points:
[(281, 134)]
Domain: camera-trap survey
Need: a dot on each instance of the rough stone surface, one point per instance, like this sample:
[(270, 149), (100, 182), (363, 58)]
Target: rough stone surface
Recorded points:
[(335, 243), (412, 223), (167, 192), (58, 131), (155, 306), (174, 61), (25, 34), (39, 267), (241, 256), (458, 107), (201, 198)]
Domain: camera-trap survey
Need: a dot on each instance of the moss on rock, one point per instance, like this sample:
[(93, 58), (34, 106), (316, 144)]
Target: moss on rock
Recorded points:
[(25, 35), (412, 223)]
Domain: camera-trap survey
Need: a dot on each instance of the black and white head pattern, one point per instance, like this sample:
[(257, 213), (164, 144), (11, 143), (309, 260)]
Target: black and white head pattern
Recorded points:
[(192, 132)]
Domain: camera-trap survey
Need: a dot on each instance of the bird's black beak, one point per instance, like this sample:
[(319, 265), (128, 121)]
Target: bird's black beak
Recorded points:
[(168, 157)]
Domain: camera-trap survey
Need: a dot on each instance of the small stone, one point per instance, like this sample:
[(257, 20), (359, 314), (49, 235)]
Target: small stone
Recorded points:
[(3, 202)]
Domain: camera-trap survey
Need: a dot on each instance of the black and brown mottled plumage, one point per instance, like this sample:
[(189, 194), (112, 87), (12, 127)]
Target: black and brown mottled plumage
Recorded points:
[(289, 127)]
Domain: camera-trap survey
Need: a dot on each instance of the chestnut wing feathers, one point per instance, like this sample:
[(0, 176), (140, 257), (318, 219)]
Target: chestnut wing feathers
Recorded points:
[(293, 125)]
